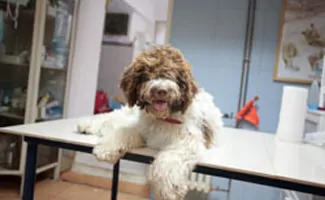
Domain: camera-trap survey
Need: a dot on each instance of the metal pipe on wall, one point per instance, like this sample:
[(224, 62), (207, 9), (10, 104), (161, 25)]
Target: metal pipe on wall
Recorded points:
[(250, 48), (244, 56), (248, 45)]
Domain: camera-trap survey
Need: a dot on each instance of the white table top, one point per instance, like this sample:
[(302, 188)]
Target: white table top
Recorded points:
[(58, 130), (244, 151)]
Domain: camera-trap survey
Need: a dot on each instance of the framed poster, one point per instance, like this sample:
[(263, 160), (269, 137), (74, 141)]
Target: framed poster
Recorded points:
[(301, 41)]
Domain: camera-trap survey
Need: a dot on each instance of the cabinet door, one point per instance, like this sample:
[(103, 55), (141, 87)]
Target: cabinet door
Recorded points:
[(55, 54), (54, 70), (16, 33)]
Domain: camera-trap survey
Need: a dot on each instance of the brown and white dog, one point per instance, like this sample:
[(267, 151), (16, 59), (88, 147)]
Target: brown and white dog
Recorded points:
[(166, 111)]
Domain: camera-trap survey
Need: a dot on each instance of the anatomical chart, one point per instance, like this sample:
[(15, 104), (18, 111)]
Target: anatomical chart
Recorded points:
[(301, 41)]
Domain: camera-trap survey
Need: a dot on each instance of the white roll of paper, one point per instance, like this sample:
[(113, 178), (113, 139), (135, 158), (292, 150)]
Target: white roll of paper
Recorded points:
[(291, 123)]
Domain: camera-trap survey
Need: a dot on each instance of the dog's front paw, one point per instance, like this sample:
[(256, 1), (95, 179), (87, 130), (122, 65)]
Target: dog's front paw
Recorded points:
[(105, 153), (165, 191), (87, 126), (167, 187)]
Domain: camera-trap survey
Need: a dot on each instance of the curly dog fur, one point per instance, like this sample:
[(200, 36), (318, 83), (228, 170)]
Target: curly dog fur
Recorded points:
[(160, 90)]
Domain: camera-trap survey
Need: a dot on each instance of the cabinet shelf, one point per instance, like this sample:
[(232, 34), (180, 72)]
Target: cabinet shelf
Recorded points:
[(27, 65), (11, 115), (19, 117), (14, 64), (9, 172), (15, 172), (54, 68)]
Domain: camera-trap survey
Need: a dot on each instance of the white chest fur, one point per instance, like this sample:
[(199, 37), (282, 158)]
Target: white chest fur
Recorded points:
[(161, 134)]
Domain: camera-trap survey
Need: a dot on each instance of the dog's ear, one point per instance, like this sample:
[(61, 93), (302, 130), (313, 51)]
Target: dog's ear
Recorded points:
[(128, 86), (188, 88), (207, 134)]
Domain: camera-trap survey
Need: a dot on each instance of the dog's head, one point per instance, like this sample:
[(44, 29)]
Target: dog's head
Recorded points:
[(160, 81)]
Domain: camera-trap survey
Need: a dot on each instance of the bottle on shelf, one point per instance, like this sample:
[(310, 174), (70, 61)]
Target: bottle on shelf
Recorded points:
[(313, 95), (16, 98)]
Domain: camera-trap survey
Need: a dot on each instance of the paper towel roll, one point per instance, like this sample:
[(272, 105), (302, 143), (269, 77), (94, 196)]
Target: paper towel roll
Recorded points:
[(291, 123)]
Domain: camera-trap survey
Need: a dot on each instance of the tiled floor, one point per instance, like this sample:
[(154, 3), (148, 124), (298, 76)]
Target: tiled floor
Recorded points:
[(52, 190)]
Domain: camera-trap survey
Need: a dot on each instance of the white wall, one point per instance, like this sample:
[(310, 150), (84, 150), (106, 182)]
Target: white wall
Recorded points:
[(86, 57), (118, 6), (152, 10), (161, 13), (139, 24), (143, 18), (161, 10), (113, 59), (160, 32), (145, 8)]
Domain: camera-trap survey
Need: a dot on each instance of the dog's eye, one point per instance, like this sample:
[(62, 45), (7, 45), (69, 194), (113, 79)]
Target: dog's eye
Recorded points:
[(182, 85), (143, 77)]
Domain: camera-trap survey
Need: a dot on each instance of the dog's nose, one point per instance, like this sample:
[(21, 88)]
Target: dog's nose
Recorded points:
[(161, 92)]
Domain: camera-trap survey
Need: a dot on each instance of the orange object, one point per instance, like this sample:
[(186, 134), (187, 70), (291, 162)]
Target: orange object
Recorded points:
[(249, 113)]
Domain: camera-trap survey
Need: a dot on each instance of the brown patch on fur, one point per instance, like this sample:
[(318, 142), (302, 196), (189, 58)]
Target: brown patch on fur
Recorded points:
[(208, 135), (159, 62)]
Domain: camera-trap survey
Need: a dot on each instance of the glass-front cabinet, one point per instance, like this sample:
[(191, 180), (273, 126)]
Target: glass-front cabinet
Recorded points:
[(54, 68), (36, 42), (16, 36)]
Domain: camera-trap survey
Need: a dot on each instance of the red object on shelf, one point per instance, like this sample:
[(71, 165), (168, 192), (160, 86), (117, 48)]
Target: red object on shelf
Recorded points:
[(321, 108), (101, 102), (249, 113)]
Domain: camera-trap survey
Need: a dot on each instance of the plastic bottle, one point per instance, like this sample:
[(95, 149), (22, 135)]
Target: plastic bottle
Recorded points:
[(16, 97), (313, 95)]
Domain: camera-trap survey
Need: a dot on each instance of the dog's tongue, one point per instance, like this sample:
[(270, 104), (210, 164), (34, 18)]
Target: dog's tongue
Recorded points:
[(159, 106)]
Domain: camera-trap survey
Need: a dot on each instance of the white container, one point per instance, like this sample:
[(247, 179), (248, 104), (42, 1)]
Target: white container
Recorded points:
[(293, 111), (16, 96)]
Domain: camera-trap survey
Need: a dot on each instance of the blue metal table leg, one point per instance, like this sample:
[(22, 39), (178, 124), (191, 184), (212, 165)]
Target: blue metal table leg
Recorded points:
[(116, 171), (30, 170)]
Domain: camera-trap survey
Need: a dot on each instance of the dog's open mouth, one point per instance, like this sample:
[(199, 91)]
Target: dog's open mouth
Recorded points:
[(159, 105)]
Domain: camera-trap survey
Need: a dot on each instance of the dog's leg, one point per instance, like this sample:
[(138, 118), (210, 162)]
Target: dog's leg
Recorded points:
[(114, 144), (118, 133), (169, 172)]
